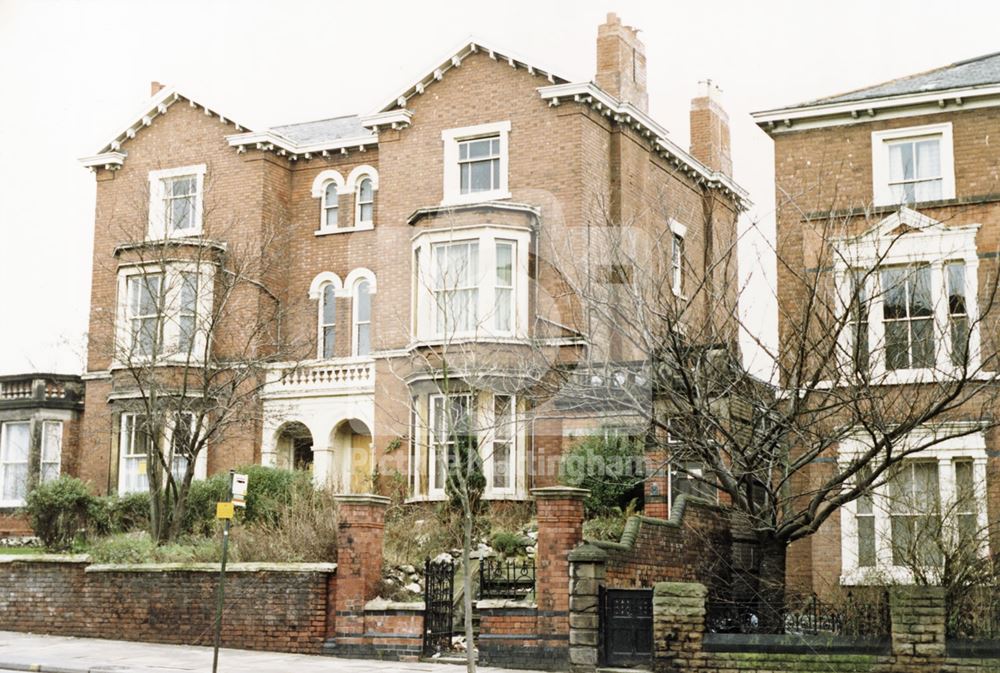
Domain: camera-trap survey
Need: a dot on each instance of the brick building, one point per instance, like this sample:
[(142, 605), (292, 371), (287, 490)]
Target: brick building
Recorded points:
[(907, 175), (40, 418), (403, 247)]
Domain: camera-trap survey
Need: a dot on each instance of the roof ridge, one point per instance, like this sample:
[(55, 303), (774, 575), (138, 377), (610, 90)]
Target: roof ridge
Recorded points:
[(315, 121)]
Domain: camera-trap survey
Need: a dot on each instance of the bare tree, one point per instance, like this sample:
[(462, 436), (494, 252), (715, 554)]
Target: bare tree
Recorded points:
[(843, 402), (199, 319)]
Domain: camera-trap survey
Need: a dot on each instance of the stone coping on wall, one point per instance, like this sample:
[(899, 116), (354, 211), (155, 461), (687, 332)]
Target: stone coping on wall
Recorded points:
[(505, 604), (211, 567), (44, 558), (383, 605)]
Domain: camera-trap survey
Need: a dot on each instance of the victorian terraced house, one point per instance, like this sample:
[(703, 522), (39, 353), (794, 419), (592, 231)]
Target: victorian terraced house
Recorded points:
[(402, 247), (909, 171)]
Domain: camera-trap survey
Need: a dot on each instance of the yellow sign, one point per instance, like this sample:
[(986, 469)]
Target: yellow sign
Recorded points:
[(224, 510)]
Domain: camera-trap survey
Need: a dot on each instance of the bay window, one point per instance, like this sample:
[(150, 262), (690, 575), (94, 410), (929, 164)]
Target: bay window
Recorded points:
[(162, 311), (15, 449), (907, 288), (923, 506), (471, 282), (141, 441), (51, 453)]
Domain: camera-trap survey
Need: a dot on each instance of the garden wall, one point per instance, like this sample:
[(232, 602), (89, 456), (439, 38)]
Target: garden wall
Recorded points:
[(917, 643), (268, 607)]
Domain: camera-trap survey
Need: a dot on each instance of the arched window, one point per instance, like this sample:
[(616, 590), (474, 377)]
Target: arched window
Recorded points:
[(328, 320), (362, 318), (330, 206), (365, 200)]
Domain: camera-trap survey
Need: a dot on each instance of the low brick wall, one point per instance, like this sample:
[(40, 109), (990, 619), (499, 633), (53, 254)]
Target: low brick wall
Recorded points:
[(509, 637), (391, 631), (693, 544), (917, 643), (268, 607)]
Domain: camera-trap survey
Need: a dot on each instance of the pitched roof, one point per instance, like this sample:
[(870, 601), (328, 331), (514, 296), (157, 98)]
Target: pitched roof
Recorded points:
[(322, 130), (973, 72)]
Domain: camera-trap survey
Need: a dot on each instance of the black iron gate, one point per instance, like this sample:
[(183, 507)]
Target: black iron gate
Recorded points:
[(439, 592), (626, 626)]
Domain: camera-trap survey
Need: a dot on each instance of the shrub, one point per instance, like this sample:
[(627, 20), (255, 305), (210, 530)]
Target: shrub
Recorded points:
[(609, 526), (270, 491), (199, 514), (63, 512), (509, 543), (127, 513), (123, 548), (301, 530), (611, 468)]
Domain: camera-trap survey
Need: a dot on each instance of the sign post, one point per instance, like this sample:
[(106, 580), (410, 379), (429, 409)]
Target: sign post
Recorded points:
[(224, 511)]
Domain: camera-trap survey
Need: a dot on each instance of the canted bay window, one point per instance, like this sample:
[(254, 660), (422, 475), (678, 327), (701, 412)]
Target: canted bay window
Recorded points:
[(907, 288), (928, 503), (162, 310), (140, 442), (50, 460), (484, 422), (471, 282), (176, 202)]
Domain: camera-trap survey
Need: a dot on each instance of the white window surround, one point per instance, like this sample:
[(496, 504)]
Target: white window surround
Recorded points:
[(200, 464), (344, 187), (451, 138), (342, 289), (679, 230), (483, 427), (170, 325), (926, 241), (880, 159), (424, 319), (15, 455), (971, 446), (158, 227), (50, 456)]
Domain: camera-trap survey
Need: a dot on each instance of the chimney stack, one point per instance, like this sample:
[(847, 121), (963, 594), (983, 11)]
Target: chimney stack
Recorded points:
[(621, 62), (155, 87), (710, 130)]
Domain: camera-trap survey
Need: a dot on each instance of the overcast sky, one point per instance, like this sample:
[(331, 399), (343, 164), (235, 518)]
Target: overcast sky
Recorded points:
[(71, 74)]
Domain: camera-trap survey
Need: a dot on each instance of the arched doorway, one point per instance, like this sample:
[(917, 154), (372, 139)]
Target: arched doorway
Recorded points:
[(352, 440), (294, 447)]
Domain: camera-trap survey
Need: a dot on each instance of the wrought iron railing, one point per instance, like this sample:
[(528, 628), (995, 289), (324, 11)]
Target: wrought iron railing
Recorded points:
[(974, 613), (866, 616), (506, 578)]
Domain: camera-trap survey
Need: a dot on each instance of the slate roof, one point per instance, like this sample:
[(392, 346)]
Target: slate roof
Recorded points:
[(323, 130), (978, 71)]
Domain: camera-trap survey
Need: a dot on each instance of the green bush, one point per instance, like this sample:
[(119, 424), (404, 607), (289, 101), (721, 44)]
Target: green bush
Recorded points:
[(127, 513), (270, 490), (611, 468), (63, 512), (123, 548), (199, 513), (509, 543)]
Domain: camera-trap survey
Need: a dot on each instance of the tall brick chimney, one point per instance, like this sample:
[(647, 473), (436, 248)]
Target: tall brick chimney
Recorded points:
[(621, 62), (710, 130), (155, 87)]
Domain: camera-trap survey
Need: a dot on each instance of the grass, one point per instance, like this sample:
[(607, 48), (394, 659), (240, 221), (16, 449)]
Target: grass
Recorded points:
[(20, 551)]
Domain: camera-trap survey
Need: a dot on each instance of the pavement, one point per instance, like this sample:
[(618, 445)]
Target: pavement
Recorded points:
[(61, 654)]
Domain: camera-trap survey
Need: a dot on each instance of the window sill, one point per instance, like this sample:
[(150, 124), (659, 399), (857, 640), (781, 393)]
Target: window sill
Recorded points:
[(459, 339), (478, 197), (364, 226)]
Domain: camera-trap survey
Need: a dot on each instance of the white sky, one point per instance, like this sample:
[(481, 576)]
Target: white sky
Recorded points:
[(71, 73)]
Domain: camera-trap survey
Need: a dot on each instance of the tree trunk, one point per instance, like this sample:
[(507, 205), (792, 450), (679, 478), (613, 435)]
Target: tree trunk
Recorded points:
[(470, 652), (771, 590)]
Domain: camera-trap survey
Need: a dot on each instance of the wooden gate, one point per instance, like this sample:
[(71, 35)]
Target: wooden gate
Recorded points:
[(626, 626)]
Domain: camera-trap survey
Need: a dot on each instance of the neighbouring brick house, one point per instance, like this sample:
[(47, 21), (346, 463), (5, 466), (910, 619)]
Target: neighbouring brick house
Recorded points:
[(40, 418), (402, 232), (910, 169)]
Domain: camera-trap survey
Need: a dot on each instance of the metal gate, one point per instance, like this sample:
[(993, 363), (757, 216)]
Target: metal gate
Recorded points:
[(439, 592), (627, 626)]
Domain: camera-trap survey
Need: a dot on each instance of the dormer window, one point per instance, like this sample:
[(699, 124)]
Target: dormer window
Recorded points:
[(175, 202), (913, 165)]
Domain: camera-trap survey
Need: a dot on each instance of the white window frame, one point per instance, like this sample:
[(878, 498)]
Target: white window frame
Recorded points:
[(321, 323), (200, 465), (158, 226), (170, 329), (452, 179), (678, 233), (49, 426), (424, 321), (4, 440), (969, 447), (359, 221), (927, 242), (355, 322), (881, 140), (435, 489)]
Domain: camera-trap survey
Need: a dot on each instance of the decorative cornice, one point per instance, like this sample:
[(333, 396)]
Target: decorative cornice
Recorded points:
[(587, 93), (108, 161), (433, 211), (394, 119)]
